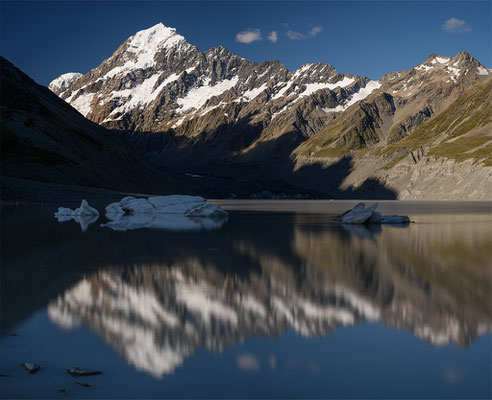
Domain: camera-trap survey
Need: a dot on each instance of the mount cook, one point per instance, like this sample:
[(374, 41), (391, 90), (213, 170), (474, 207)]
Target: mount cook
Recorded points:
[(217, 114)]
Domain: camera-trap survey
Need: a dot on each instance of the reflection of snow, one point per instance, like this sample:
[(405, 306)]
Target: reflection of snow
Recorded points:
[(247, 362), (156, 325)]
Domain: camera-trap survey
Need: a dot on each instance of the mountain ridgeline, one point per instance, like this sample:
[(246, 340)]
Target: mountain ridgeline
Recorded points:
[(250, 128)]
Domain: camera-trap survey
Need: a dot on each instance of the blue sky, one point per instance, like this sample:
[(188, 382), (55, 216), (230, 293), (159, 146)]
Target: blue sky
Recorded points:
[(369, 38)]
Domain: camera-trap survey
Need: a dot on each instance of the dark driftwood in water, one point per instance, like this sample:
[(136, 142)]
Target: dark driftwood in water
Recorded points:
[(76, 372), (83, 384)]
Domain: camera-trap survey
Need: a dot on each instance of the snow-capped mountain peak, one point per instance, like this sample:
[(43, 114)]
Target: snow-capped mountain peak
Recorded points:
[(158, 69), (146, 43), (61, 83)]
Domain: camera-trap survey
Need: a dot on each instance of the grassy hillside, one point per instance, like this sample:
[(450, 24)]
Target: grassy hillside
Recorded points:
[(462, 131)]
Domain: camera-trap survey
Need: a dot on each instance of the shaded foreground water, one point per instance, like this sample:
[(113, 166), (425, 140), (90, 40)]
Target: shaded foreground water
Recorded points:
[(276, 301)]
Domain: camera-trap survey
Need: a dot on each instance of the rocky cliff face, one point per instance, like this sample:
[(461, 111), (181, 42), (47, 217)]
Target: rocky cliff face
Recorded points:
[(45, 139), (219, 114)]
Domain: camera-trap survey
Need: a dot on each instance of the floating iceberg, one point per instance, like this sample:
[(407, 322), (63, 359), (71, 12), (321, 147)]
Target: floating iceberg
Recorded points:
[(176, 213), (84, 215), (176, 204), (361, 214)]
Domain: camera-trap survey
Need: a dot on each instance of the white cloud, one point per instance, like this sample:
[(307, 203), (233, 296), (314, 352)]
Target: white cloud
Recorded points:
[(249, 36), (293, 35), (315, 31), (455, 25), (273, 37), (248, 362)]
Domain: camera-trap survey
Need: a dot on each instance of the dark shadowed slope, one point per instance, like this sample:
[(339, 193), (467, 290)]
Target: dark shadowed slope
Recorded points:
[(44, 139)]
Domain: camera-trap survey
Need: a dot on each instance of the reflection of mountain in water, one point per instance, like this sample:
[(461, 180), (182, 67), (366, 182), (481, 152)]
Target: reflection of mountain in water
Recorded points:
[(429, 279)]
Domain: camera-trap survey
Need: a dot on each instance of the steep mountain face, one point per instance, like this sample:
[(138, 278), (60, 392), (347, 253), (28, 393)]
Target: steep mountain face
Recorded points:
[(446, 157), (404, 100), (45, 139), (158, 82), (220, 115)]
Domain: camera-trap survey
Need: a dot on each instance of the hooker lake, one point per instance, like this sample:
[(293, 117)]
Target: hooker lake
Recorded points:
[(274, 301)]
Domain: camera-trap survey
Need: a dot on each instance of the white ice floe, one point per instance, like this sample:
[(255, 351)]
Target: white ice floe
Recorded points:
[(176, 212), (84, 215)]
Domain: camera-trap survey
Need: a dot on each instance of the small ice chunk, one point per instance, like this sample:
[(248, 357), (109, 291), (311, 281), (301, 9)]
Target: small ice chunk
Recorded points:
[(84, 209), (84, 215)]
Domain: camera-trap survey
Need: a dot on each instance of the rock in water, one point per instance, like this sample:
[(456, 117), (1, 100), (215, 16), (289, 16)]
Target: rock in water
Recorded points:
[(361, 215), (375, 218), (358, 217), (76, 372), (395, 219), (83, 384), (31, 368)]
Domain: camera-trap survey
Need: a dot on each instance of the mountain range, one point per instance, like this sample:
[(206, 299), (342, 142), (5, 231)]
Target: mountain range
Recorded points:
[(240, 128)]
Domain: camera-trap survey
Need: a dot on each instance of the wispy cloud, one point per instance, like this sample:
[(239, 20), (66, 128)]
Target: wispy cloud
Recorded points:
[(273, 37), (315, 30), (455, 25), (249, 36), (293, 35)]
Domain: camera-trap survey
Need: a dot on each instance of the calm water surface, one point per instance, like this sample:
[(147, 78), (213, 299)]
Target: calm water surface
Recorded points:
[(276, 301)]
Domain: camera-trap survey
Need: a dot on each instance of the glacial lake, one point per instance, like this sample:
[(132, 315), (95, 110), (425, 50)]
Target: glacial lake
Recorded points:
[(277, 301)]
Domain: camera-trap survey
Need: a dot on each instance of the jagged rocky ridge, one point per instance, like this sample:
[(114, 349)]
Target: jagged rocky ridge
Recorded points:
[(219, 114)]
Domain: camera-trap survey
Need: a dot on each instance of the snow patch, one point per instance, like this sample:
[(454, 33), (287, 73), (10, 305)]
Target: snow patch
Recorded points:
[(64, 81), (370, 87), (142, 94), (82, 103), (441, 60), (482, 71), (198, 96)]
